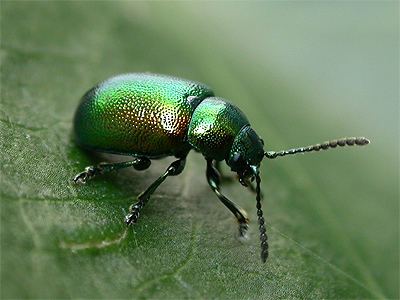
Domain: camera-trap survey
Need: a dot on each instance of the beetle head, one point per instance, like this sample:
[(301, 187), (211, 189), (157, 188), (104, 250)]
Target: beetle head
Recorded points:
[(246, 154), (244, 158)]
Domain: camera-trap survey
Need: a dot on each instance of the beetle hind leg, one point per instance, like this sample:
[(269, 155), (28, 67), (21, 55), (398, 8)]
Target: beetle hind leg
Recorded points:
[(139, 163), (213, 178)]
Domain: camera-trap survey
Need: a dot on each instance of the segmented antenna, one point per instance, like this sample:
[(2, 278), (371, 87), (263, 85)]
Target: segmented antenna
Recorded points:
[(359, 141), (261, 222)]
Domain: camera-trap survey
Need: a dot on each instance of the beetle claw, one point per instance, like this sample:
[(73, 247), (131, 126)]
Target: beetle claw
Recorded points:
[(131, 218), (81, 178), (84, 176)]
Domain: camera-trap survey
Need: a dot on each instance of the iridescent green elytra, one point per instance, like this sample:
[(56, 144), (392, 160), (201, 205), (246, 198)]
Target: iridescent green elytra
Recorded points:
[(139, 114), (151, 116)]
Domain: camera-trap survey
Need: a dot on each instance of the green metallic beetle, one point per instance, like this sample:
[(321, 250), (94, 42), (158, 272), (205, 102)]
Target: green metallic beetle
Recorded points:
[(150, 116)]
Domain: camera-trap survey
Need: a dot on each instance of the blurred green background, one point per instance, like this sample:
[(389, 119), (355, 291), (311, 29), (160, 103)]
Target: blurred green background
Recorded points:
[(303, 72)]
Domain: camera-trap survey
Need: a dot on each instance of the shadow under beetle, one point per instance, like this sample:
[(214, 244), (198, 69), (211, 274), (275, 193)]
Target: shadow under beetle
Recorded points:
[(150, 116)]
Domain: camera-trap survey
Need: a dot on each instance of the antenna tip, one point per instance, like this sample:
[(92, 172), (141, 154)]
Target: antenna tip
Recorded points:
[(361, 141)]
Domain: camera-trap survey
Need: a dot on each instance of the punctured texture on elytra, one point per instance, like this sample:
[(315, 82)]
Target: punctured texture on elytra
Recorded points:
[(138, 114)]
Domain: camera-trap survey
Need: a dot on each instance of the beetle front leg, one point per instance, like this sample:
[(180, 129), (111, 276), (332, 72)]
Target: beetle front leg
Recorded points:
[(174, 169), (213, 178), (103, 168)]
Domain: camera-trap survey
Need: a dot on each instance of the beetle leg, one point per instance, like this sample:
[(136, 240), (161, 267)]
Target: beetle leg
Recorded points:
[(213, 178), (103, 168), (174, 169)]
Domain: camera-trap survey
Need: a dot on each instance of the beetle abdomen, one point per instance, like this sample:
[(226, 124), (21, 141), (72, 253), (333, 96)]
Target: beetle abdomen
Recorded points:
[(138, 114)]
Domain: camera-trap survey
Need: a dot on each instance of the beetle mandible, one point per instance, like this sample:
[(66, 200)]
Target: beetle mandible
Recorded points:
[(150, 116)]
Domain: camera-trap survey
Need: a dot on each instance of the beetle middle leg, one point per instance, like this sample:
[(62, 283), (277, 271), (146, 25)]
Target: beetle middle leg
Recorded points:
[(213, 178), (139, 163), (174, 169)]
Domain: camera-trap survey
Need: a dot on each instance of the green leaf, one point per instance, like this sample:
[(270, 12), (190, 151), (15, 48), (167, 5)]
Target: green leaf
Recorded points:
[(302, 73)]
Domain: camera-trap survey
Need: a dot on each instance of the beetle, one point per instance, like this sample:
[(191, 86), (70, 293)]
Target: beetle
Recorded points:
[(151, 116)]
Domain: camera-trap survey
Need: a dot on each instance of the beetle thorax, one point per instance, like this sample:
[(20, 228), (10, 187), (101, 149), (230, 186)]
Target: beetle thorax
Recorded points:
[(214, 126)]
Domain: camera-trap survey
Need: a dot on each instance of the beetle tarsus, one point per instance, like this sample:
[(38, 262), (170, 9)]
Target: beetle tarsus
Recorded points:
[(132, 218), (134, 213)]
